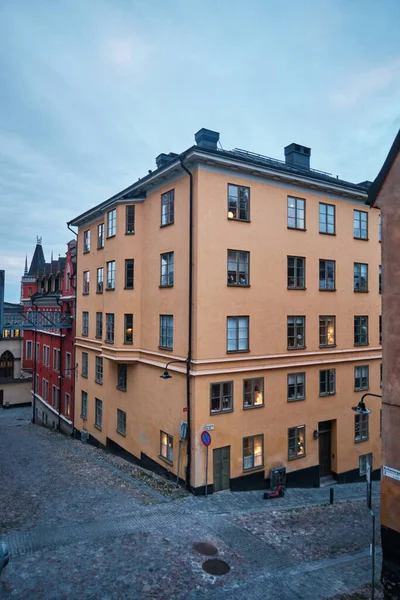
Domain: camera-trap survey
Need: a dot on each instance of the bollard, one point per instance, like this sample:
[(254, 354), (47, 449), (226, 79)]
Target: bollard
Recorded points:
[(4, 556), (331, 495)]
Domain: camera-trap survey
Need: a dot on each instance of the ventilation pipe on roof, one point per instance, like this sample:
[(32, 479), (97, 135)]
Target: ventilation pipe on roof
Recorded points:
[(297, 156)]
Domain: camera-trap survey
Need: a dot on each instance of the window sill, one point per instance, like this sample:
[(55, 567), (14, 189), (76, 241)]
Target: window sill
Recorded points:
[(360, 441), (297, 457), (361, 389), (327, 345), (237, 351), (128, 288), (108, 237), (121, 432), (84, 334), (110, 289), (170, 462), (296, 288), (98, 381), (327, 394), (361, 291), (255, 406), (98, 337), (86, 251), (99, 292), (361, 239), (296, 228), (128, 343), (165, 348), (166, 286), (327, 233), (85, 376), (85, 293), (121, 389), (220, 412), (238, 220), (98, 427), (129, 233), (238, 285), (167, 225), (83, 418), (253, 469), (362, 345), (108, 341), (297, 348), (296, 399), (325, 290), (100, 247)]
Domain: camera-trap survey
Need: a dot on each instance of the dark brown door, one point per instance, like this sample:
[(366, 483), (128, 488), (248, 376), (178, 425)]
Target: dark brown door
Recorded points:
[(324, 431), (222, 468), (1, 397)]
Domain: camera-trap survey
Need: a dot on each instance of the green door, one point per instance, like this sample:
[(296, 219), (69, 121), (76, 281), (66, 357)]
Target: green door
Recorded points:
[(222, 468)]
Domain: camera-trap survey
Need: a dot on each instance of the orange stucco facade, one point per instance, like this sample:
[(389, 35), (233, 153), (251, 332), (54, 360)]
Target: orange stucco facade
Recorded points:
[(153, 405)]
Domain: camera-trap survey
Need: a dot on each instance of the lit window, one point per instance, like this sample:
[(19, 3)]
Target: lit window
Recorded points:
[(166, 446), (327, 333), (128, 329), (253, 452), (253, 392), (238, 203), (296, 442)]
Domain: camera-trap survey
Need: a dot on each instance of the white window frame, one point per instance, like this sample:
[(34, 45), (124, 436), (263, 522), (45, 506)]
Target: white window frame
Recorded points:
[(166, 447), (111, 223), (111, 275)]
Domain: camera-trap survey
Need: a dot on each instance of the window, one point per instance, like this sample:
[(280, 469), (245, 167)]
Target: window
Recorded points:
[(221, 397), (327, 331), (111, 222), (121, 383), (380, 329), (99, 325), (68, 280), (327, 382), (296, 272), (111, 275), (361, 331), (360, 277), (121, 421), (296, 386), (363, 461), (100, 236), (253, 452), (380, 376), (130, 219), (166, 446), (327, 274), (56, 359), (67, 407), (361, 426), (46, 356), (380, 422), (45, 392), (296, 442), (238, 267), (85, 323), (6, 365), (238, 203), (85, 363), (296, 332), (237, 334), (37, 352), (68, 367), (380, 279), (296, 213), (167, 208), (100, 279), (110, 327), (86, 241), (99, 370), (167, 270), (86, 277), (361, 378), (55, 400), (166, 331), (28, 350), (327, 218), (128, 329), (360, 225), (253, 392), (37, 383), (380, 228), (129, 273), (99, 414), (84, 405)]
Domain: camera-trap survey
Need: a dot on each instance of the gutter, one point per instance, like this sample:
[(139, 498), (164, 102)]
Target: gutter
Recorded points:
[(190, 327), (74, 319)]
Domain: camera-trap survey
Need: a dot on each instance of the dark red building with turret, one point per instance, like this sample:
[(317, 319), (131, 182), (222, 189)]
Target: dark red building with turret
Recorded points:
[(49, 287)]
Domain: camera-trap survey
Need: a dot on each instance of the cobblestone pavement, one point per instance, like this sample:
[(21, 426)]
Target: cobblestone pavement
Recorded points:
[(77, 526)]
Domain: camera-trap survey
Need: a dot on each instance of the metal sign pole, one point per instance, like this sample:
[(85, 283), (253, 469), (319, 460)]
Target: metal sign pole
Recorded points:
[(206, 469)]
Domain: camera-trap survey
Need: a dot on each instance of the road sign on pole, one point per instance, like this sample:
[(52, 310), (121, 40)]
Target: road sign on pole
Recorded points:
[(205, 438)]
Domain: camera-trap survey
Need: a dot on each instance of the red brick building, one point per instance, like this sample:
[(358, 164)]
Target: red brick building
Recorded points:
[(49, 287)]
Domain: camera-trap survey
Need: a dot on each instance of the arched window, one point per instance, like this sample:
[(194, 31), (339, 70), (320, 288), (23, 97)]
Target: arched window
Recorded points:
[(6, 365)]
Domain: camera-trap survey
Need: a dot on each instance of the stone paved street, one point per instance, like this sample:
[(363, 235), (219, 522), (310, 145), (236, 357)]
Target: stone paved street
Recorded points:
[(78, 525)]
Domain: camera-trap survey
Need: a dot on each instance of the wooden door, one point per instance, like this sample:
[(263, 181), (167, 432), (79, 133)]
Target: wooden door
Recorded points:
[(324, 431), (221, 468)]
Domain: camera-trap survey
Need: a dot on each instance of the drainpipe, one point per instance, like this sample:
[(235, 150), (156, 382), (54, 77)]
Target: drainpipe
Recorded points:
[(34, 367), (61, 371), (190, 325), (74, 319)]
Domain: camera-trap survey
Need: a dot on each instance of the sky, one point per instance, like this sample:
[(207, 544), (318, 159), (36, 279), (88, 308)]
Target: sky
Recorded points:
[(91, 91)]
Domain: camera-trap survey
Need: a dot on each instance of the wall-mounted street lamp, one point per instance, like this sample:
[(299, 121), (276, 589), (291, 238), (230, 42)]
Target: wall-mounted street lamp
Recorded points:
[(361, 409), (166, 375)]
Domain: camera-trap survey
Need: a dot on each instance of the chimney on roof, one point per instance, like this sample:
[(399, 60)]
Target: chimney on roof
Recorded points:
[(205, 138), (297, 156), (163, 159)]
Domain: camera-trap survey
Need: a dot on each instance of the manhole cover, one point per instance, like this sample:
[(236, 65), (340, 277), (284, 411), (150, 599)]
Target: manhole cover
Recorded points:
[(216, 566), (205, 548)]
